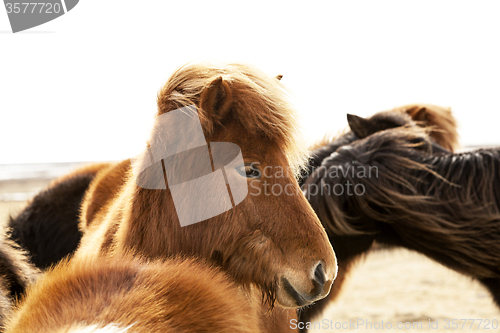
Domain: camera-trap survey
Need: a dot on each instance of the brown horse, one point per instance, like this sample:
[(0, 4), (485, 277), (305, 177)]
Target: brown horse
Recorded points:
[(274, 242), (128, 294), (440, 126), (16, 273)]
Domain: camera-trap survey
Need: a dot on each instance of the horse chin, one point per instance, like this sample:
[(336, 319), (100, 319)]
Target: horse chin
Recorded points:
[(293, 300)]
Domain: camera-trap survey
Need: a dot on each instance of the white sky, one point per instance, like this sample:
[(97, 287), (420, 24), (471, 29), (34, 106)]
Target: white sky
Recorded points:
[(83, 87)]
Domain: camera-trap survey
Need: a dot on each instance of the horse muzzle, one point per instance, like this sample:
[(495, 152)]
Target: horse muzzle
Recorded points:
[(298, 290)]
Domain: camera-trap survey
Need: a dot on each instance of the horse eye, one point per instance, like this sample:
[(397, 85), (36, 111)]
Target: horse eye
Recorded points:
[(248, 171)]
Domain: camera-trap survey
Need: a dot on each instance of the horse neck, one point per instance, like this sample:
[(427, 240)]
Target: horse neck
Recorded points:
[(149, 223), (475, 175)]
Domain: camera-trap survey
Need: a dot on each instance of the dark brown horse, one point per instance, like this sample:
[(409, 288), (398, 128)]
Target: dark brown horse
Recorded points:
[(444, 205), (47, 228), (440, 126)]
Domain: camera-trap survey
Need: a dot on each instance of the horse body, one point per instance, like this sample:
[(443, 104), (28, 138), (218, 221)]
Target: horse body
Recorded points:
[(134, 295), (350, 245), (445, 206)]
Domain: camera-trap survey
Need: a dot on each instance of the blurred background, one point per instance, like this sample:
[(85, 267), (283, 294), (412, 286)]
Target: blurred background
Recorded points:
[(83, 87)]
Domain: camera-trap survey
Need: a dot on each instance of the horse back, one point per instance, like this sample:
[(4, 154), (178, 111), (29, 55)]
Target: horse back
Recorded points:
[(103, 189), (175, 295)]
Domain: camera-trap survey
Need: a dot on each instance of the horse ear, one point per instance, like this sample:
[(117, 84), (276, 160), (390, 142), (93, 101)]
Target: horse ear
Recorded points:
[(420, 115), (279, 77), (216, 101), (358, 125)]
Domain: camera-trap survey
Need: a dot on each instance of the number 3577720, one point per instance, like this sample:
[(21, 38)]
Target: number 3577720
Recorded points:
[(32, 8), (454, 324)]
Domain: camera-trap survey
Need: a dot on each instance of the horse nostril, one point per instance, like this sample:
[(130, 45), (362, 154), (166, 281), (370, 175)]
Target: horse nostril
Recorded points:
[(319, 275)]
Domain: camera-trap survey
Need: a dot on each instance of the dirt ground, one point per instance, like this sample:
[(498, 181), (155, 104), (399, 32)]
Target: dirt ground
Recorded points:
[(9, 208), (399, 286), (392, 287)]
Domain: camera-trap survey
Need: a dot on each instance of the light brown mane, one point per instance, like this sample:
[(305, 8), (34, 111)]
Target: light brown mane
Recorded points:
[(272, 113)]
